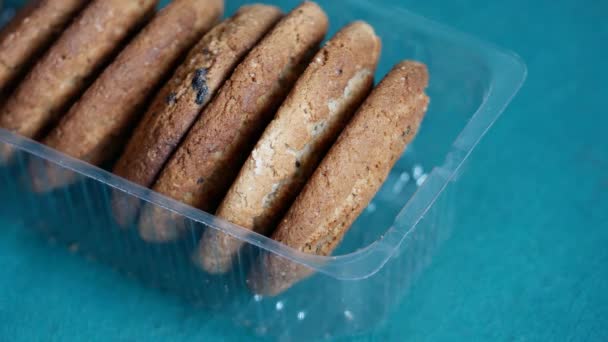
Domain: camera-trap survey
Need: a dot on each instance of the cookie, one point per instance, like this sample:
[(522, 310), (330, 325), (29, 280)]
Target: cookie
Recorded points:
[(212, 153), (29, 34), (348, 177), (182, 99), (313, 115), (66, 69), (97, 124)]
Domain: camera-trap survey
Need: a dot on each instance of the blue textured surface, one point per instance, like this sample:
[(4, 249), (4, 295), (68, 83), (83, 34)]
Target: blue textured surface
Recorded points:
[(529, 263)]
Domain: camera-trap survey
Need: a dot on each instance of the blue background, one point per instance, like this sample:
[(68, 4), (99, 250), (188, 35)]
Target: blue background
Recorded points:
[(530, 263)]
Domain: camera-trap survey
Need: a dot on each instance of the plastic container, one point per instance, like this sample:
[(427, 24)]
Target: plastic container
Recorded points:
[(350, 292)]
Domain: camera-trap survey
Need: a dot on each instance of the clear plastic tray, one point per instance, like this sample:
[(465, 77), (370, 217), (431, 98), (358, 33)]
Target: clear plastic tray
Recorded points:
[(356, 288)]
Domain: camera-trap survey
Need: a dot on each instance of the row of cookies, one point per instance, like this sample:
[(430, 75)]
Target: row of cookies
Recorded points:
[(258, 156), (244, 126)]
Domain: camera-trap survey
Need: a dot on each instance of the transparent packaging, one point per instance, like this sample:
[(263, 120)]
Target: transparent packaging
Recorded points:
[(393, 240)]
